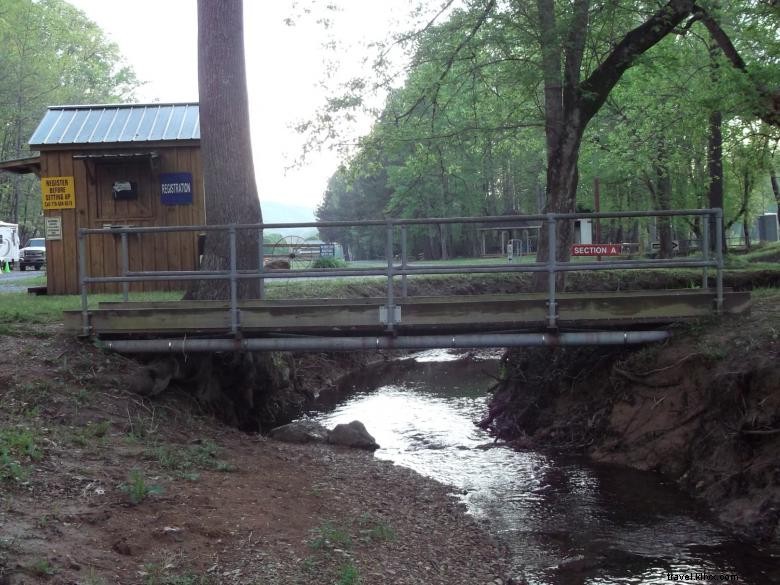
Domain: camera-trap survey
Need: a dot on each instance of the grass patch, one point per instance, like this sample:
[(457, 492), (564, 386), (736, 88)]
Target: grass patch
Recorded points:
[(84, 436), (375, 529), (41, 568), (18, 447), (328, 536), (137, 489), (25, 308), (348, 574), (160, 574), (204, 455), (37, 280)]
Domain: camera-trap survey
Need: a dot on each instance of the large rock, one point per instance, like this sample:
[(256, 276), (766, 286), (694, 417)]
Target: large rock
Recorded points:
[(353, 434), (304, 431)]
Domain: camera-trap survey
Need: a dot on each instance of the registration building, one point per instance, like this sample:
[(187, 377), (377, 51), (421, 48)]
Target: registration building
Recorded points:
[(108, 166)]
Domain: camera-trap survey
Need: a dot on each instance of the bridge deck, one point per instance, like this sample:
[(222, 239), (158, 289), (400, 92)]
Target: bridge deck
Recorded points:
[(419, 315)]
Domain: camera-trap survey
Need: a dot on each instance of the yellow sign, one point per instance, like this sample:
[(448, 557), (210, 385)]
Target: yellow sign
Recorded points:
[(58, 193)]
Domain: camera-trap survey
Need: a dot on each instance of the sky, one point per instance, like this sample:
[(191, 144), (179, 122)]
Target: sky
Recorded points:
[(285, 71)]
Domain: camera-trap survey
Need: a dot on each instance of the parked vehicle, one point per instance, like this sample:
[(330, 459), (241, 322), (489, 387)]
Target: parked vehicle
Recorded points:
[(9, 243), (33, 254)]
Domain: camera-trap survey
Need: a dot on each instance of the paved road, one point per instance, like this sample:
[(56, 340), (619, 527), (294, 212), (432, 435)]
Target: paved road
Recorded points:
[(10, 281)]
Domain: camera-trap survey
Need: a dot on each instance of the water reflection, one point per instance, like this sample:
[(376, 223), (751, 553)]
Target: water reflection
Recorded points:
[(564, 520)]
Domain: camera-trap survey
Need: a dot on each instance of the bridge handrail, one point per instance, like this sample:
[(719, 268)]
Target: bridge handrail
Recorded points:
[(551, 266)]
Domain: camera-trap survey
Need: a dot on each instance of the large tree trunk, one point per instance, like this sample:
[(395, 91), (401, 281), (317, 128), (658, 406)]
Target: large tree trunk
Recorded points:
[(776, 191), (570, 103), (228, 171)]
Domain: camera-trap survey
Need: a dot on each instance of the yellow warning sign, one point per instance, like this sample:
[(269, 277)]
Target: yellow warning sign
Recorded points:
[(58, 193)]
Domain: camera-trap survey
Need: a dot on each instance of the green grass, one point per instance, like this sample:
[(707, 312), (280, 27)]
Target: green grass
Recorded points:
[(137, 489), (348, 574), (25, 308), (41, 568), (38, 280), (329, 535), (18, 447), (160, 574), (189, 458)]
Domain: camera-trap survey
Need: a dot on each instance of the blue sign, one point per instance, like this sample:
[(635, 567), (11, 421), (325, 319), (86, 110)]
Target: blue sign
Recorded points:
[(176, 188), (327, 250)]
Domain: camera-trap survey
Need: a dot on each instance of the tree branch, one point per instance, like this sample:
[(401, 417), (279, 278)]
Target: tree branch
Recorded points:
[(595, 89)]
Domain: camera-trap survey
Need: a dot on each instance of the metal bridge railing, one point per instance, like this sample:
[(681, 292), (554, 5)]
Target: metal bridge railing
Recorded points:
[(390, 313)]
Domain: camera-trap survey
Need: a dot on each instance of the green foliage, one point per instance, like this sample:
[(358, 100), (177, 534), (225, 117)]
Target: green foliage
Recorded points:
[(348, 574), (375, 529), (29, 309), (330, 535), (137, 489), (84, 436), (41, 568), (328, 262), (465, 134), (50, 53), (159, 574), (188, 458), (17, 447)]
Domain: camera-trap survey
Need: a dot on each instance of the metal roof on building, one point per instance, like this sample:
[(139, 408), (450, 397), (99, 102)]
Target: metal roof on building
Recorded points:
[(117, 123)]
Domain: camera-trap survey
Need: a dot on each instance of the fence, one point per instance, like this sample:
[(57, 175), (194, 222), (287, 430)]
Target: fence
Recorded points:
[(401, 267)]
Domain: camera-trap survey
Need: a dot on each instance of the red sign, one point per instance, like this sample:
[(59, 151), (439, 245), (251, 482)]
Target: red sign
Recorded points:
[(595, 250)]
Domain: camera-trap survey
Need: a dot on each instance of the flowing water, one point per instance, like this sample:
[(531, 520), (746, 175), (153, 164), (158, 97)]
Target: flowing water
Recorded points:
[(564, 520)]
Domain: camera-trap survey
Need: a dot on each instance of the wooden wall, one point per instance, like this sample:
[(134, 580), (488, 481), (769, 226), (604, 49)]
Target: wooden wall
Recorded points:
[(96, 208)]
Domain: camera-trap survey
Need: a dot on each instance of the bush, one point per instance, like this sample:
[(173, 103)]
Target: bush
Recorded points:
[(328, 262)]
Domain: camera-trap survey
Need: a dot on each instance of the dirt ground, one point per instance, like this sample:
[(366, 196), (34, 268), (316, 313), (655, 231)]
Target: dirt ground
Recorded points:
[(101, 486), (702, 408)]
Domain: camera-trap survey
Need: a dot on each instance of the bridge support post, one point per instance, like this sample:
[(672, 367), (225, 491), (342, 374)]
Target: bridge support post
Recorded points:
[(261, 262), (404, 264), (552, 253), (390, 292), (705, 249), (83, 284), (125, 268), (719, 260)]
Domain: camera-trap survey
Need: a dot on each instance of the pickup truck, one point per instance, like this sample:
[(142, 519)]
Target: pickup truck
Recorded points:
[(33, 254)]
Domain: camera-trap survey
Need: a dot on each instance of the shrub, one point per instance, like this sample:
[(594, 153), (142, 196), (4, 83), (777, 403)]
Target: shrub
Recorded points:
[(328, 262)]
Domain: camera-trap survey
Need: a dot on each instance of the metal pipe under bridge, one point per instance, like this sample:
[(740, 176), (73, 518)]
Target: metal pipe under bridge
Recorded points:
[(398, 320)]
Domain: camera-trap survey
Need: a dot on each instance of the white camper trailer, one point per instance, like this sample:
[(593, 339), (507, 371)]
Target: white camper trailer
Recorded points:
[(9, 243)]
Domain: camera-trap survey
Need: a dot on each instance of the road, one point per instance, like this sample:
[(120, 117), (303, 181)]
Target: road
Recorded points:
[(18, 281)]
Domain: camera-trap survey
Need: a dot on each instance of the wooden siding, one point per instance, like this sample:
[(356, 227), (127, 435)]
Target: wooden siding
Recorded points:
[(96, 208)]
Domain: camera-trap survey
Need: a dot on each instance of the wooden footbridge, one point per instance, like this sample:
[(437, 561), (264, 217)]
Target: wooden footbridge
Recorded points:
[(398, 320)]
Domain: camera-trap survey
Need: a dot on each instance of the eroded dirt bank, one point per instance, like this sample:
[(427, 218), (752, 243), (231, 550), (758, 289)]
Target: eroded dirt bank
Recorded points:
[(99, 485), (702, 408)]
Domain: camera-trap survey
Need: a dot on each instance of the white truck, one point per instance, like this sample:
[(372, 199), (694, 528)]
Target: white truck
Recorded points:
[(9, 244)]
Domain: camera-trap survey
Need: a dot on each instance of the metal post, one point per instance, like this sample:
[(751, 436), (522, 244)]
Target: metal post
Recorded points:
[(390, 292), (233, 282), (705, 247), (551, 271), (125, 268), (83, 284), (261, 261), (597, 205), (404, 262), (719, 259)]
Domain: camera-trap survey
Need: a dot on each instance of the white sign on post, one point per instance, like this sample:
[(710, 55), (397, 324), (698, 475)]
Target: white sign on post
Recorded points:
[(53, 228)]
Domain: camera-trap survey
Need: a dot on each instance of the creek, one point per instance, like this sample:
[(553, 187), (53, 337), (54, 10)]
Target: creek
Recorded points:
[(563, 519)]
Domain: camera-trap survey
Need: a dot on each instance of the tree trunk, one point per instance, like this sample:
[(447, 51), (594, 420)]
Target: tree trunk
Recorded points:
[(776, 191), (664, 200), (228, 170)]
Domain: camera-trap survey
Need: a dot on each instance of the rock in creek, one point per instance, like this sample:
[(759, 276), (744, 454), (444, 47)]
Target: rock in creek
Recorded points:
[(353, 434), (304, 431)]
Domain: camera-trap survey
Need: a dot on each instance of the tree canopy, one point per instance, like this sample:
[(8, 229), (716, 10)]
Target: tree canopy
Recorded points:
[(515, 107), (50, 53)]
